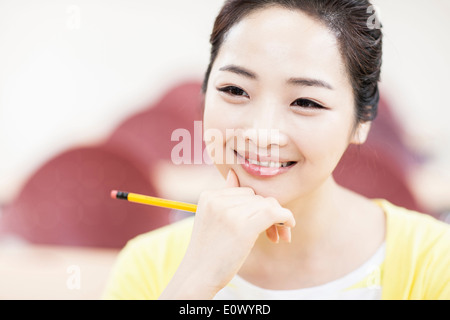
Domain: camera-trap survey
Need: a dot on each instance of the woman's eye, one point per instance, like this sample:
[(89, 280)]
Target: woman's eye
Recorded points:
[(307, 104), (234, 91)]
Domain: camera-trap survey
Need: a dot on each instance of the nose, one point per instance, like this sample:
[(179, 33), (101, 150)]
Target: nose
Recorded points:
[(266, 127), (265, 138)]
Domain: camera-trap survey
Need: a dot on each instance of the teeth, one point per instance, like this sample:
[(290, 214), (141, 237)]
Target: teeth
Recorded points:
[(268, 164)]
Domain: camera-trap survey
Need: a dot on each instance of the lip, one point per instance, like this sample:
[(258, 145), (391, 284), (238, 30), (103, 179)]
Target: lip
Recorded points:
[(261, 171)]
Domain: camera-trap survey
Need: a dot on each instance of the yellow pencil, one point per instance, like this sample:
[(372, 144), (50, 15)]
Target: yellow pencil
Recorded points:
[(153, 201)]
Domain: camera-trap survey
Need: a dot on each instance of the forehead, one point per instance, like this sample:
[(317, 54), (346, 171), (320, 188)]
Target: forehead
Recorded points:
[(287, 41)]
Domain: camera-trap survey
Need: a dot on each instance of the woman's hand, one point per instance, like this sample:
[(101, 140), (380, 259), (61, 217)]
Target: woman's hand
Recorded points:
[(227, 224)]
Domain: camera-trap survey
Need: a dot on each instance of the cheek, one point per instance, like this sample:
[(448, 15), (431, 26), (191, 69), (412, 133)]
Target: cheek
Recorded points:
[(216, 121), (216, 115), (219, 116), (323, 141)]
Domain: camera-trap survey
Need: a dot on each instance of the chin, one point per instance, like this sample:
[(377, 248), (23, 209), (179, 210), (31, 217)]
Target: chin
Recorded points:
[(268, 187)]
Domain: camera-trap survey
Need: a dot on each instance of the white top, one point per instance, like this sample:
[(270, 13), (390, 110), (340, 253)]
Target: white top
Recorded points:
[(364, 283)]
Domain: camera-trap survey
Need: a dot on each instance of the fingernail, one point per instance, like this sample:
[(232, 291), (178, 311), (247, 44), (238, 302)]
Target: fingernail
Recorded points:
[(229, 175), (290, 235)]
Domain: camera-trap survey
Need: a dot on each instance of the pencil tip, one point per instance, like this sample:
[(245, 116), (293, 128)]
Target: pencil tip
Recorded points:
[(114, 194)]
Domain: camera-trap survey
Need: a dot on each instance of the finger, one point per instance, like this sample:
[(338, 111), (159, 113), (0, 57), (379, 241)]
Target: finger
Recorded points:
[(272, 234), (284, 233), (287, 217), (281, 212), (264, 217), (279, 216), (230, 195), (234, 191), (232, 180), (245, 204)]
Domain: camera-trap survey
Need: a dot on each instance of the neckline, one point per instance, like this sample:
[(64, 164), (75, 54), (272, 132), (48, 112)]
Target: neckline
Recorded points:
[(341, 283)]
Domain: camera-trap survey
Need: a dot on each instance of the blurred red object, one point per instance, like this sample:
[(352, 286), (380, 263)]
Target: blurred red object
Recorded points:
[(380, 167), (67, 202)]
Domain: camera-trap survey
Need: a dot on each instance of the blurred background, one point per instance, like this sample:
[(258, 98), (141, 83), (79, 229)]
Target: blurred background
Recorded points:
[(90, 92)]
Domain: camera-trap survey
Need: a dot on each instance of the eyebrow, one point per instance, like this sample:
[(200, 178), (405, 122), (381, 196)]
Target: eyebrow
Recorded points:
[(240, 71), (310, 83), (306, 82)]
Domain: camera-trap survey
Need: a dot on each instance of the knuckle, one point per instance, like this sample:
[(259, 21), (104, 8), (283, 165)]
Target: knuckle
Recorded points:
[(279, 214), (258, 197), (247, 190), (272, 201)]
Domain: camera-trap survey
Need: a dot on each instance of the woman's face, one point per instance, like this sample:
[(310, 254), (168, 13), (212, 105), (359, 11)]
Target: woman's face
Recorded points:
[(279, 91)]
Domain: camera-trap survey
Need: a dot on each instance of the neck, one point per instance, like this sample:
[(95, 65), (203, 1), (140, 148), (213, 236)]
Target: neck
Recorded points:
[(334, 227)]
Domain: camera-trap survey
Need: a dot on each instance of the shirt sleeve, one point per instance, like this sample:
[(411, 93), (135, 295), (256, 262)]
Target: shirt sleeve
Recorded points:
[(438, 281), (147, 263), (132, 277), (417, 264)]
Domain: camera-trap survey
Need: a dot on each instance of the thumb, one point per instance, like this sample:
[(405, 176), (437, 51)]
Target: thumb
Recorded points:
[(232, 180)]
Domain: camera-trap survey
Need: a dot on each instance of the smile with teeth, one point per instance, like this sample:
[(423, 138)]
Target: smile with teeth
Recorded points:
[(267, 164), (270, 164)]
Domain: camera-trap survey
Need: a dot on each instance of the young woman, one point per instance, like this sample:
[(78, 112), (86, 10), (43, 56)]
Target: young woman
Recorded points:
[(306, 71)]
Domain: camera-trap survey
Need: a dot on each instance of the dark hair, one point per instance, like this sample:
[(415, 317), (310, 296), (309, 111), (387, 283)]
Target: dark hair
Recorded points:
[(359, 42)]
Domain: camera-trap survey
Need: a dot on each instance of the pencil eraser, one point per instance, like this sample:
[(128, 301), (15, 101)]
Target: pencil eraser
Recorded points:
[(114, 194)]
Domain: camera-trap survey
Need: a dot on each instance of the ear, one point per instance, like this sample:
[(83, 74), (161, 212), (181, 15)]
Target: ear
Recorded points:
[(361, 133)]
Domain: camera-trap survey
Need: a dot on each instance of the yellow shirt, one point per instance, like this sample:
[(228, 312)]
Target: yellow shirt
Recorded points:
[(416, 264)]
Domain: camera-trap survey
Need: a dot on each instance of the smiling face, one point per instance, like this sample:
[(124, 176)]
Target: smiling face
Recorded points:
[(281, 72)]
